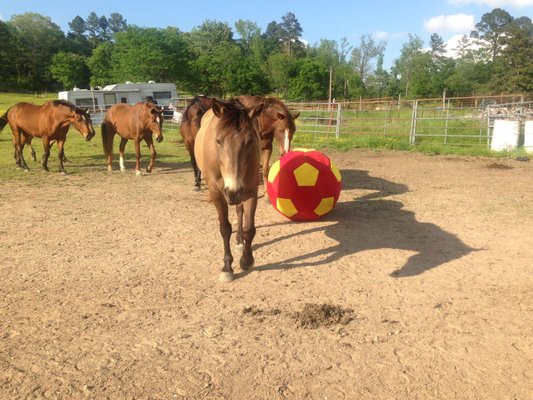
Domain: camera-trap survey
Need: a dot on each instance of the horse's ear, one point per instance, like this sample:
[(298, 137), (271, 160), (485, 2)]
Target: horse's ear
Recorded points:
[(81, 110), (295, 115), (281, 116), (256, 111), (217, 107)]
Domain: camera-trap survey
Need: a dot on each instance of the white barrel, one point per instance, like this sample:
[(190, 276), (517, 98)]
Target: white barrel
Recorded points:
[(528, 137), (505, 135)]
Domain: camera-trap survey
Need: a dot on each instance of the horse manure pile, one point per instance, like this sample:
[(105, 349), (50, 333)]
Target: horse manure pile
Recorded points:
[(314, 316), (498, 166)]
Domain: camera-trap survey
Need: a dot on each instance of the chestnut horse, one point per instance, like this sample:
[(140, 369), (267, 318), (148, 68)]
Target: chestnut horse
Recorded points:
[(189, 126), (137, 123), (227, 150), (276, 121), (49, 121)]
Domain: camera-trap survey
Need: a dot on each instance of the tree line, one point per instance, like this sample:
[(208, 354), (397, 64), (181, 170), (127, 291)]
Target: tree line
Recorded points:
[(218, 60)]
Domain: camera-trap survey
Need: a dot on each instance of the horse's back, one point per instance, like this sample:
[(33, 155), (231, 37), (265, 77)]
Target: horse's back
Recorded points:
[(29, 117)]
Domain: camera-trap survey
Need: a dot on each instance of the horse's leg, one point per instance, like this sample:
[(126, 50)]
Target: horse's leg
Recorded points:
[(46, 154), (137, 157), (61, 155), (32, 151), (17, 140), (265, 156), (150, 142), (197, 174), (226, 275), (240, 244), (248, 233), (121, 149)]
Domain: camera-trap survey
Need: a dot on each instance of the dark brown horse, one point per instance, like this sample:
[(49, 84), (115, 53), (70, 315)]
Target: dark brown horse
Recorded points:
[(50, 121), (276, 121), (137, 123), (227, 150), (189, 126)]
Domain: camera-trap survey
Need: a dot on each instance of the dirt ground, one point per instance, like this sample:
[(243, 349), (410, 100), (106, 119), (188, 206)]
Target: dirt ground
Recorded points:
[(419, 285)]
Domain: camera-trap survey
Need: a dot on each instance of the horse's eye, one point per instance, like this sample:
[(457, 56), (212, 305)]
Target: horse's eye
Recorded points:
[(220, 141)]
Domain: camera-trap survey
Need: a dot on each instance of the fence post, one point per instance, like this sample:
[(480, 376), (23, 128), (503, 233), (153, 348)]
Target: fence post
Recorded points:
[(338, 126), (412, 134)]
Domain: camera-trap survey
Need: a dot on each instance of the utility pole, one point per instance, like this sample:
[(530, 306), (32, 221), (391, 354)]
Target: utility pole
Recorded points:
[(330, 83)]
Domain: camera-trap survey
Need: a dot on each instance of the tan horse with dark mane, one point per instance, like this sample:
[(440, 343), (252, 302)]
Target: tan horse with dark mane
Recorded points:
[(139, 122), (227, 150), (50, 121), (275, 121)]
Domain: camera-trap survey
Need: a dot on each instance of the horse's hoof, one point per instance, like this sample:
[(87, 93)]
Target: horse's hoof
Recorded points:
[(122, 169), (138, 173), (226, 277), (245, 266), (63, 173), (110, 168), (267, 200), (196, 188), (239, 248)]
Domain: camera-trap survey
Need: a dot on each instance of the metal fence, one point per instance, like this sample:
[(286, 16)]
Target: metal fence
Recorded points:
[(452, 121)]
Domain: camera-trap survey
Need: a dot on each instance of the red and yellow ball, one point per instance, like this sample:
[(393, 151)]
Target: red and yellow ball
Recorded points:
[(304, 184)]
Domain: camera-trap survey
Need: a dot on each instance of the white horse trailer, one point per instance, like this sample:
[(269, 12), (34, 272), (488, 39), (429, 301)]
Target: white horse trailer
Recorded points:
[(97, 101)]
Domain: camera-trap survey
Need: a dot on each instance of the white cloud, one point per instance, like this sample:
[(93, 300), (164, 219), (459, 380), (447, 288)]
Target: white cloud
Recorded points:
[(494, 3), (458, 23), (1, 17), (389, 35)]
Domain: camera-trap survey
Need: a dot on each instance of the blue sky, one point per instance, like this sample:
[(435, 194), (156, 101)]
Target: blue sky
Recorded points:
[(390, 21)]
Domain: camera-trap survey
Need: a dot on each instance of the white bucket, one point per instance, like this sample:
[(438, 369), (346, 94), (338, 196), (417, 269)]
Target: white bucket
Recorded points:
[(528, 137), (505, 135)]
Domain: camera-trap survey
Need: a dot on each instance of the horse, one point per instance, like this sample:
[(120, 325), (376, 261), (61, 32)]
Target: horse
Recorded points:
[(227, 151), (189, 126), (137, 123), (49, 121), (276, 121)]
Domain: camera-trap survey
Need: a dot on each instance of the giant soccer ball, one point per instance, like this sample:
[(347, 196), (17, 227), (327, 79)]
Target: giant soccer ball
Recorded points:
[(304, 184)]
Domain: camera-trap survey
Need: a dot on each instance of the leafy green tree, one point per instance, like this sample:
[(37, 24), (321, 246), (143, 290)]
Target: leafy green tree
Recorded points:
[(490, 31), (311, 82), (117, 23), (39, 40), (363, 56), (70, 69), (9, 53), (77, 26), (281, 70), (100, 65)]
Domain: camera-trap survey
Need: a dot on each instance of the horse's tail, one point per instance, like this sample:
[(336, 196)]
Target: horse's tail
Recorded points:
[(3, 120), (108, 145)]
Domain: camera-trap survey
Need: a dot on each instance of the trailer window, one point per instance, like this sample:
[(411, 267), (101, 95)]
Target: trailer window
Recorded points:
[(162, 95), (87, 102)]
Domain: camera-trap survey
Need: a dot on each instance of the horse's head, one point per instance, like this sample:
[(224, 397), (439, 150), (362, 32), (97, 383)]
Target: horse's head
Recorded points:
[(237, 147), (279, 120), (154, 117), (82, 122)]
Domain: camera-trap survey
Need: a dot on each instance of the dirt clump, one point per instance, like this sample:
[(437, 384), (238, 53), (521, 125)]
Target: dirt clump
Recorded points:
[(314, 316)]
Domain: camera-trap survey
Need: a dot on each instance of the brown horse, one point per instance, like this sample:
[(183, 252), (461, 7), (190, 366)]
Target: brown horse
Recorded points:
[(276, 121), (137, 123), (189, 126), (50, 121), (227, 150)]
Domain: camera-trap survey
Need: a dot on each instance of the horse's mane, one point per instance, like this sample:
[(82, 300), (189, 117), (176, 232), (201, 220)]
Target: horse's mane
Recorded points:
[(234, 117), (200, 101), (64, 103)]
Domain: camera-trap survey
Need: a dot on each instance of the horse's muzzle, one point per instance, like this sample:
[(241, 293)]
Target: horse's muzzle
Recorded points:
[(159, 138), (90, 136), (233, 196)]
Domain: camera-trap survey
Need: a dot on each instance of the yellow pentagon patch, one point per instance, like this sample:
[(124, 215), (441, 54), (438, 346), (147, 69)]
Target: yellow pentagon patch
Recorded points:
[(325, 206), (303, 150), (336, 172), (273, 172), (286, 206), (306, 175)]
